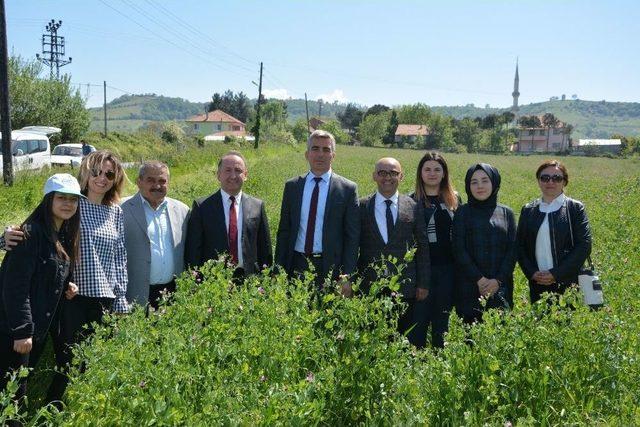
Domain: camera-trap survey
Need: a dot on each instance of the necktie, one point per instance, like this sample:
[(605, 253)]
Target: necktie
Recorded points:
[(389, 216), (233, 231), (311, 221)]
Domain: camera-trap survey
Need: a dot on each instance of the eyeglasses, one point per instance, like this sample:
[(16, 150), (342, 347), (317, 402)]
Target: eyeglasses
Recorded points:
[(554, 178), (385, 174), (110, 175)]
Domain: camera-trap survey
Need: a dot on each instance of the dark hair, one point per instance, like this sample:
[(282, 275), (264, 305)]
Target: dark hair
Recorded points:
[(69, 247), (446, 193), (556, 164)]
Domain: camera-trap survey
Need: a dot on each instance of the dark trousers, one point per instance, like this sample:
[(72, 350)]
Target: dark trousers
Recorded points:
[(302, 263), (434, 311), (11, 361), (156, 292)]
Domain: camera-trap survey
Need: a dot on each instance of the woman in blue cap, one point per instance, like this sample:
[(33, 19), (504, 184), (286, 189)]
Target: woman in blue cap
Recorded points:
[(484, 243), (35, 275)]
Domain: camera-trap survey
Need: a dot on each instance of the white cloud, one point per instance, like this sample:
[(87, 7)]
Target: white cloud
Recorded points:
[(336, 95), (276, 93)]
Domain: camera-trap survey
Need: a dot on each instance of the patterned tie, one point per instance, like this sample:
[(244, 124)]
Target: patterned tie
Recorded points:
[(311, 221), (233, 231), (389, 215)]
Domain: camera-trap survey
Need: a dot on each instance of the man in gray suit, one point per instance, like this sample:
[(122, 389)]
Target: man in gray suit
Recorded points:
[(230, 221), (319, 221), (154, 233), (391, 225)]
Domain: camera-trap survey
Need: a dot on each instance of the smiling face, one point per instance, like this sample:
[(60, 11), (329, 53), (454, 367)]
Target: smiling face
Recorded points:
[(320, 155), (387, 176), (101, 180), (63, 207), (554, 186), (153, 185), (432, 174), (480, 185), (232, 174)]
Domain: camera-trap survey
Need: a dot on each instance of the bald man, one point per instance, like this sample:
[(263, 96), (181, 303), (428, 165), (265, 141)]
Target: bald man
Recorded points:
[(392, 224)]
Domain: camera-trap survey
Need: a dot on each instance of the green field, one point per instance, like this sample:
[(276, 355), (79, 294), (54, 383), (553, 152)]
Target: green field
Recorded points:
[(572, 367)]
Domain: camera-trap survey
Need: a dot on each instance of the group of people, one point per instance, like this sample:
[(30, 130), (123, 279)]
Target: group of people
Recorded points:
[(84, 252)]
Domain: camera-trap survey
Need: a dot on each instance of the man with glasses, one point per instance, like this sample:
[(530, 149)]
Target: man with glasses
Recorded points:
[(155, 229), (391, 225), (319, 221), (230, 221)]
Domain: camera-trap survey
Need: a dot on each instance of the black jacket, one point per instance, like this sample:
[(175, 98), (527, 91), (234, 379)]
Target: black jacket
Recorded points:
[(567, 259), (32, 281), (484, 244)]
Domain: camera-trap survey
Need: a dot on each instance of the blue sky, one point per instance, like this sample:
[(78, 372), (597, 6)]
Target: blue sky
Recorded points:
[(389, 52)]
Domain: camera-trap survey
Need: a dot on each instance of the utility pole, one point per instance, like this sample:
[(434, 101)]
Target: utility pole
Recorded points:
[(5, 108), (306, 107), (53, 49), (256, 131), (105, 108), (319, 108)]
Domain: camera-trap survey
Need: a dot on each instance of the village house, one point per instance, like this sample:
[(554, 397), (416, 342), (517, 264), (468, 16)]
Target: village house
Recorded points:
[(534, 139), (410, 134), (597, 146), (216, 125)]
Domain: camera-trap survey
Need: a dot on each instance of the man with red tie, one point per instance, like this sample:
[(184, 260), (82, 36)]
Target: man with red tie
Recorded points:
[(319, 218), (229, 221)]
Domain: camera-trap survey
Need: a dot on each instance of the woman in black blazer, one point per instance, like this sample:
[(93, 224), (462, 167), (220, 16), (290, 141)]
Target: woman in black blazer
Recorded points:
[(484, 246), (554, 238), (34, 276)]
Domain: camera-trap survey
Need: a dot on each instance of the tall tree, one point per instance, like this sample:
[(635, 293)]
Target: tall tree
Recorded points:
[(376, 109), (373, 128), (351, 117), (391, 128), (549, 121)]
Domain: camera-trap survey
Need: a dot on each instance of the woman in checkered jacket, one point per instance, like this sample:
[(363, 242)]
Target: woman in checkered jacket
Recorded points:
[(484, 243)]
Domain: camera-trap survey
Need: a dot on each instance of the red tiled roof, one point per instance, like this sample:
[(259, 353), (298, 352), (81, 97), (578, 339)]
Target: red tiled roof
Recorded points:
[(410, 130), (215, 116)]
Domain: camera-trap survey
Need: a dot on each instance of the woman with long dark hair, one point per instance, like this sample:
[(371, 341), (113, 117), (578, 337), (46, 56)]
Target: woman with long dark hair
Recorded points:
[(33, 278), (484, 243), (435, 192), (554, 237)]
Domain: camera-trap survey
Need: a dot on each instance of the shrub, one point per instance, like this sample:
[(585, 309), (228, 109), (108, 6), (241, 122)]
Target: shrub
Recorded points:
[(172, 133)]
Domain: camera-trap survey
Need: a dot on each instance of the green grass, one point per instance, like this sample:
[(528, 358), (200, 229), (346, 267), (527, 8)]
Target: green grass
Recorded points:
[(572, 368)]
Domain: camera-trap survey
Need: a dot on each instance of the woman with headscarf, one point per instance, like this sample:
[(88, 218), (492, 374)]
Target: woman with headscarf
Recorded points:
[(484, 246)]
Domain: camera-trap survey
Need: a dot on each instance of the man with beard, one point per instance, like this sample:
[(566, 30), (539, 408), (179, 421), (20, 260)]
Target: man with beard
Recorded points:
[(154, 231), (230, 221)]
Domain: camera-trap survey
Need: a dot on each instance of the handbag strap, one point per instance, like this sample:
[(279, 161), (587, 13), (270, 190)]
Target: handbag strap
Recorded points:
[(573, 245)]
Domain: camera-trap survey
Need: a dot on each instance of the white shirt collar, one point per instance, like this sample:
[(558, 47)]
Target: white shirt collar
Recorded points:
[(555, 204), (225, 196), (325, 176), (380, 198), (161, 206)]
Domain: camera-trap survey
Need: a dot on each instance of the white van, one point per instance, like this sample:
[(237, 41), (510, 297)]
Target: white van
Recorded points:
[(30, 147)]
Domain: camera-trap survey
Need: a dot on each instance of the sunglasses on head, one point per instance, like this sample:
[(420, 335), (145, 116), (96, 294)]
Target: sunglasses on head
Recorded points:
[(554, 178), (110, 175), (383, 173)]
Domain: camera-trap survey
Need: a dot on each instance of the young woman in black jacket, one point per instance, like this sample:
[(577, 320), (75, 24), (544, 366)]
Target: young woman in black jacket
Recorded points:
[(33, 278), (484, 245), (435, 191), (554, 238)]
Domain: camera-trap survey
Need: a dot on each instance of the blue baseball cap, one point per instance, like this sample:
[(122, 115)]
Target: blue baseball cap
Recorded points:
[(62, 183)]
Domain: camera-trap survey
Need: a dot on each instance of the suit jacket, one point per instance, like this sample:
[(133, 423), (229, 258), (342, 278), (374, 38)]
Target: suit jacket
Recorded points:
[(410, 231), (137, 243), (207, 233), (340, 231)]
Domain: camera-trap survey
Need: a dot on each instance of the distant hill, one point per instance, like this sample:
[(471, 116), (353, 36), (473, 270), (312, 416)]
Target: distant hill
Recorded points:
[(593, 119)]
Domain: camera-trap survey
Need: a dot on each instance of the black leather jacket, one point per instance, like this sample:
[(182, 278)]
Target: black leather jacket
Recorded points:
[(32, 281), (567, 258)]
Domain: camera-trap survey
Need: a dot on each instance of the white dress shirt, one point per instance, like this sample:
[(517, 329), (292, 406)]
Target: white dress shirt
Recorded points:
[(304, 211), (381, 213), (226, 205), (544, 256), (160, 243)]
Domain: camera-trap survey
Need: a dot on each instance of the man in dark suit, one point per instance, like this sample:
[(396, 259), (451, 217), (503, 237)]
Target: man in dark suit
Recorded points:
[(229, 221), (391, 225), (319, 221)]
